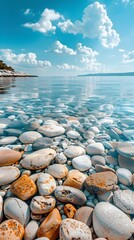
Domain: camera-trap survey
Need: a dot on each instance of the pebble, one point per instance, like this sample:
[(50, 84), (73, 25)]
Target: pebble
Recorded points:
[(51, 130), (8, 140), (105, 197), (60, 158), (8, 157), (126, 149), (97, 159), (43, 142), (46, 184), (95, 149), (111, 160), (38, 159), (111, 223), (73, 229), (23, 187), (84, 214), (82, 163), (101, 182), (101, 168), (42, 204), (42, 238), (73, 134), (74, 151), (72, 195), (29, 137), (50, 226), (11, 230), (124, 199), (8, 174), (89, 135), (31, 230), (1, 209), (124, 176), (126, 162), (75, 179), (57, 170), (17, 209), (69, 210)]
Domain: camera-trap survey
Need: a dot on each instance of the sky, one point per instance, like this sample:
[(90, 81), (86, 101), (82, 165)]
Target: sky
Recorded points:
[(67, 37)]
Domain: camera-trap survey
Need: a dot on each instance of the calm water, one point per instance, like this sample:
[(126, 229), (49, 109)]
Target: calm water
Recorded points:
[(107, 96)]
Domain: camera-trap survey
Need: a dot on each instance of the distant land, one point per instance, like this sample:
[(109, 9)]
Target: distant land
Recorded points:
[(108, 74)]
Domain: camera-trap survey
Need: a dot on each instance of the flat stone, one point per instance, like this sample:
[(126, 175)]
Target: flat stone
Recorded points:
[(111, 223), (73, 134), (11, 230), (9, 157), (24, 188), (126, 149), (101, 182), (95, 149), (129, 134), (84, 214), (46, 184), (31, 230), (12, 132), (8, 174), (72, 195), (29, 137), (39, 159), (97, 159), (125, 162), (124, 199), (82, 163), (50, 226), (31, 126), (43, 142), (41, 205), (89, 135), (69, 210), (51, 130), (17, 209), (124, 176), (42, 238), (57, 170), (75, 179), (101, 168), (8, 140), (111, 160), (74, 151), (73, 229)]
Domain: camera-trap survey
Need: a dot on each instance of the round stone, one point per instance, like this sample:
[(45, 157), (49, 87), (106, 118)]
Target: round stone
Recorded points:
[(97, 159), (75, 179), (51, 130), (124, 176), (101, 182), (39, 159), (126, 149), (95, 149), (43, 142), (41, 205), (11, 230), (8, 140), (8, 174), (72, 195), (31, 230), (84, 214), (61, 158), (82, 163), (69, 210), (16, 209), (57, 170), (111, 223), (46, 184), (124, 199), (73, 229), (74, 151), (89, 135), (126, 162), (29, 137), (73, 134), (8, 157)]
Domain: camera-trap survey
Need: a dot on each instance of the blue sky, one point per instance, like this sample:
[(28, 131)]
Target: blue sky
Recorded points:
[(67, 37)]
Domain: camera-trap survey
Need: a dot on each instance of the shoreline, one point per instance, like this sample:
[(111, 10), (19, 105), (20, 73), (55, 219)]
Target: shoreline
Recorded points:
[(6, 73)]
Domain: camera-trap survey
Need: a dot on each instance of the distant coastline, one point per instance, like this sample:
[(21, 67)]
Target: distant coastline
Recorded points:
[(107, 74), (7, 73)]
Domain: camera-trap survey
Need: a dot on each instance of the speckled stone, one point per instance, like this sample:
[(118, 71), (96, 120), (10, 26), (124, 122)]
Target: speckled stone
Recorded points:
[(39, 159), (57, 170), (95, 149), (72, 195), (73, 229), (46, 184), (84, 214), (124, 199), (111, 223), (101, 182), (41, 205), (8, 174), (75, 179), (52, 130), (29, 137), (124, 176), (17, 209), (69, 210), (50, 226), (31, 230), (8, 157), (60, 158), (82, 163), (24, 187), (74, 151), (8, 140), (11, 230)]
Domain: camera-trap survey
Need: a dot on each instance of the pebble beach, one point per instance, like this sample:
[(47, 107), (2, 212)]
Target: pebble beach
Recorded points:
[(66, 162)]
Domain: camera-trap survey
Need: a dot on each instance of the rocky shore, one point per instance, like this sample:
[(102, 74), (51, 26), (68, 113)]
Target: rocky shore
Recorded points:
[(7, 73), (65, 177)]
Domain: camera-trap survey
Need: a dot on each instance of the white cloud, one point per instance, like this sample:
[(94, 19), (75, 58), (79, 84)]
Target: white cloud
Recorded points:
[(66, 66), (95, 23), (60, 48), (121, 50), (45, 23), (23, 58), (128, 57)]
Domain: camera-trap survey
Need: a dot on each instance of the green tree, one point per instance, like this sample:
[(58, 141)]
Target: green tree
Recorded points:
[(4, 66)]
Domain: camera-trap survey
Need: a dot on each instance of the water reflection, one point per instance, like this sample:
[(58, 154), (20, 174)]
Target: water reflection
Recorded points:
[(6, 83)]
